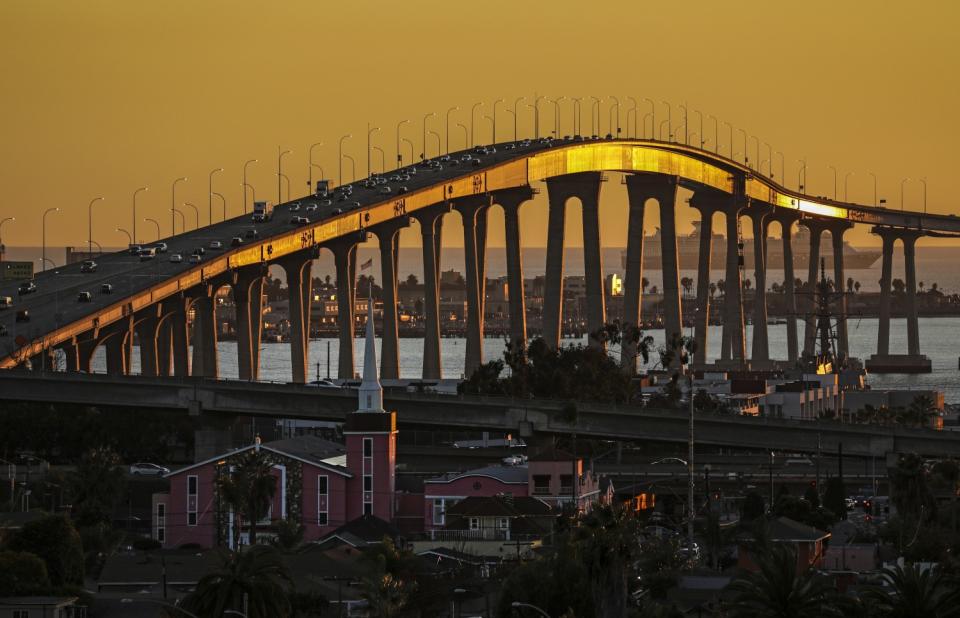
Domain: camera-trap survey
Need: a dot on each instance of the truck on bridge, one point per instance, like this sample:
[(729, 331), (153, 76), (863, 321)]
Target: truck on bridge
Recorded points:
[(262, 211)]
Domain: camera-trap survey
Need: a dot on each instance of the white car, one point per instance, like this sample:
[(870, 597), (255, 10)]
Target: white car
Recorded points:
[(513, 460), (176, 258), (322, 384), (216, 244), (148, 469)]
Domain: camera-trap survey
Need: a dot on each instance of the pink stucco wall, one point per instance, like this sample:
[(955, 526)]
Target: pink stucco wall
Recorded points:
[(465, 487), (382, 465)]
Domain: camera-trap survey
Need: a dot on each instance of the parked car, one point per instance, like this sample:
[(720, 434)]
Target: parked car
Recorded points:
[(88, 266), (106, 288), (512, 460), (27, 288), (216, 244), (175, 258), (84, 297), (148, 469)]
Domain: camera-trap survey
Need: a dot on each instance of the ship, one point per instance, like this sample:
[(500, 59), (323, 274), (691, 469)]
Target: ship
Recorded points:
[(688, 248)]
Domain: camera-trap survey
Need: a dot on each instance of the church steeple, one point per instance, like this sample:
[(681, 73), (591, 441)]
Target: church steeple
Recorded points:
[(371, 392)]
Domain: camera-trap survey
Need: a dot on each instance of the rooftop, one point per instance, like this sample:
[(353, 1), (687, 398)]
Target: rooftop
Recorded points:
[(500, 506), (505, 474)]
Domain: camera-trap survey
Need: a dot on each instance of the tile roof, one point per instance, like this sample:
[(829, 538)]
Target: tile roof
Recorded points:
[(504, 474), (786, 529)]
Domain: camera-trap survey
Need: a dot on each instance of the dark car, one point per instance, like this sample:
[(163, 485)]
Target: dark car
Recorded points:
[(23, 315), (106, 288), (27, 288), (84, 297), (236, 241), (3, 331)]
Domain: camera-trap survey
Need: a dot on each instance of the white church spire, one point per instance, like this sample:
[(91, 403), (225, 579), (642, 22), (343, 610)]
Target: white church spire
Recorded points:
[(371, 392)]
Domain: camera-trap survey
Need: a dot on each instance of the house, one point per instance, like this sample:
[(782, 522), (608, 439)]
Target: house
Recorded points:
[(860, 557), (442, 492), (550, 478), (37, 607), (809, 543), (320, 484), (498, 518)]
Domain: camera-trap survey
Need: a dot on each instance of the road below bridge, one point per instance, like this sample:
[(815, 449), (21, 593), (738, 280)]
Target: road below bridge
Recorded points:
[(426, 411)]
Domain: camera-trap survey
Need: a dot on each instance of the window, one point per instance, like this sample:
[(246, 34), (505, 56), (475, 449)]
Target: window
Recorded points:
[(439, 512), (161, 522), (192, 499), (367, 482), (323, 497), (21, 613), (541, 483), (566, 483), (503, 523), (368, 447), (474, 523), (367, 508)]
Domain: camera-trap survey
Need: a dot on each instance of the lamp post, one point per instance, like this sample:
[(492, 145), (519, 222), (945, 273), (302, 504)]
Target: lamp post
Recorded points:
[(473, 110), (636, 117), (423, 143), (783, 172), (311, 165), (874, 176), (153, 221), (700, 117), (730, 126), (515, 104), (769, 159), (353, 167), (653, 118), (436, 135), (370, 133), (556, 115), (449, 111), (846, 184), (716, 134), (399, 156), (577, 112), (494, 130), (44, 235), (595, 116), (615, 130), (90, 224), (2, 221), (834, 181), (756, 143), (383, 159), (210, 195), (686, 129), (246, 185), (135, 209), (410, 144), (746, 157), (669, 119), (173, 203), (183, 221), (465, 135), (129, 237), (280, 173), (536, 115), (902, 182), (196, 214), (340, 157), (99, 248)]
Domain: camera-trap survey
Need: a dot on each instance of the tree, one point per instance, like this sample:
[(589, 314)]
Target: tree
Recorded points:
[(899, 287), (747, 284), (780, 589), (850, 283), (914, 593), (653, 290), (54, 540), (412, 280), (97, 486), (255, 578), (713, 289), (687, 284), (920, 411), (250, 488), (753, 506), (607, 541), (722, 286), (390, 579), (644, 283), (856, 286), (22, 574), (909, 491), (289, 534)]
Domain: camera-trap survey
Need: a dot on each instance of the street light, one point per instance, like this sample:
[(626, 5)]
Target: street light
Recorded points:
[(515, 104), (495, 119), (409, 143), (636, 117), (669, 119), (311, 165), (577, 113), (153, 221), (783, 172), (716, 133), (196, 213), (518, 605), (447, 132), (246, 184), (924, 181), (173, 204), (756, 141), (383, 160), (465, 135), (399, 157), (834, 181), (370, 132), (700, 116), (436, 135), (90, 224), (902, 182), (473, 110), (183, 221), (129, 237), (595, 128), (353, 167), (340, 158), (686, 128), (423, 141), (210, 195), (846, 184), (44, 234), (280, 173), (616, 106), (2, 221), (746, 157), (653, 118), (556, 114), (135, 209)]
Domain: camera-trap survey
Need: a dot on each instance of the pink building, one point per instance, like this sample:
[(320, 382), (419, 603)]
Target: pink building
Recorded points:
[(551, 474), (320, 484)]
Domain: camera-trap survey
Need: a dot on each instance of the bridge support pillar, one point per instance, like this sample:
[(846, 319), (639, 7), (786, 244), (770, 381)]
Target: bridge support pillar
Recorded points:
[(298, 268), (789, 293), (734, 338), (146, 329), (86, 345), (816, 227), (345, 262), (177, 341), (205, 335), (471, 210), (707, 204), (44, 361), (637, 195), (586, 188), (165, 347), (760, 216), (71, 362), (910, 272), (511, 200), (248, 299), (431, 226), (119, 350), (886, 276), (388, 236), (840, 281)]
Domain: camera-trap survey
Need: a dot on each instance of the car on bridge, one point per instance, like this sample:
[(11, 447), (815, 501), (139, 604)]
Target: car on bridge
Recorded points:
[(27, 288), (236, 241), (299, 221), (148, 469), (176, 258), (195, 258), (251, 234), (216, 244), (88, 266), (106, 288), (23, 315), (148, 254), (161, 247), (84, 297)]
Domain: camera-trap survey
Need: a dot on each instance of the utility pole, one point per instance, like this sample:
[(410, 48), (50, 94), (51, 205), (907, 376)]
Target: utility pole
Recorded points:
[(690, 472)]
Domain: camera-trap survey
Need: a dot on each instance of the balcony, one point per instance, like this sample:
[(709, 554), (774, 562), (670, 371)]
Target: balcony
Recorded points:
[(483, 534)]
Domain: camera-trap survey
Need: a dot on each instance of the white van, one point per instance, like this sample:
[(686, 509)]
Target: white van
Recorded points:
[(5, 302)]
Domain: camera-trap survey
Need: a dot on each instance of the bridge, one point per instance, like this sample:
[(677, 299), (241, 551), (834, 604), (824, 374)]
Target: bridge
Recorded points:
[(151, 301), (524, 417)]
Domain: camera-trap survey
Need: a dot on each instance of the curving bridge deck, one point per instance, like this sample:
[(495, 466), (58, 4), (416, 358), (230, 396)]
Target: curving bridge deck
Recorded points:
[(152, 301)]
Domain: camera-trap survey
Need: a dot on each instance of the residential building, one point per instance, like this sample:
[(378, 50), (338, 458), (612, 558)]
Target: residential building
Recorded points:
[(497, 518), (551, 479), (809, 543), (442, 492)]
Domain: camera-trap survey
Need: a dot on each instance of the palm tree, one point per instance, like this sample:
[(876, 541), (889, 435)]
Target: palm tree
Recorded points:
[(653, 290), (687, 284), (607, 542), (908, 488), (722, 286), (254, 581), (780, 589), (644, 282), (747, 284), (856, 286), (713, 289), (250, 488), (912, 592), (850, 283)]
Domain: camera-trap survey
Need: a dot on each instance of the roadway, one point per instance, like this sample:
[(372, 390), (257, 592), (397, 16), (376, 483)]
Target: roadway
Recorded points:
[(498, 414)]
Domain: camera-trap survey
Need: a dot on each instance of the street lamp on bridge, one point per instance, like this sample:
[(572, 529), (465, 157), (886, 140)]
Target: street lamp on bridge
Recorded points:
[(370, 133), (280, 173), (846, 185), (756, 143), (801, 175), (686, 127), (595, 128), (311, 165), (383, 160), (494, 130), (135, 210), (556, 114), (423, 141), (153, 221), (340, 157), (700, 132), (473, 110), (246, 184), (409, 143), (515, 104), (210, 195), (90, 224), (716, 133), (902, 182), (924, 182), (129, 236), (577, 112), (536, 115), (874, 176), (466, 137), (653, 119), (635, 117), (44, 235), (183, 221), (834, 181), (746, 157), (436, 135), (447, 131), (614, 128), (353, 167), (669, 119), (399, 156), (173, 203), (196, 213)]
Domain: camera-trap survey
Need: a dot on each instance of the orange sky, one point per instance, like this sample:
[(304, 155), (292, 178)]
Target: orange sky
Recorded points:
[(104, 96)]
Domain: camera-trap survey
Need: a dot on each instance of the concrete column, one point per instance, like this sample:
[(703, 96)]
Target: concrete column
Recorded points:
[(551, 320), (510, 201), (146, 330), (789, 293), (43, 361), (205, 336), (70, 353), (431, 224), (388, 235), (707, 206), (810, 331), (670, 260), (86, 346), (733, 328), (470, 209), (886, 276), (116, 361), (840, 285), (247, 287), (632, 289), (298, 269), (760, 215), (180, 350), (165, 346), (910, 270), (593, 264)]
